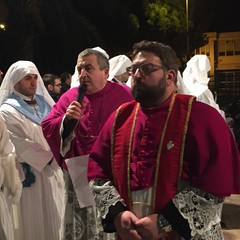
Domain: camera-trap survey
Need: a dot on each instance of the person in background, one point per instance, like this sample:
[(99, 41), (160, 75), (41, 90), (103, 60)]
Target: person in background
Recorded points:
[(72, 128), (117, 68), (53, 85), (195, 81), (10, 183), (66, 79), (24, 103), (157, 170)]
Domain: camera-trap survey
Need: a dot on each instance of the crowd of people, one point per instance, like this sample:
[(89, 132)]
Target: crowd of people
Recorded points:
[(122, 149)]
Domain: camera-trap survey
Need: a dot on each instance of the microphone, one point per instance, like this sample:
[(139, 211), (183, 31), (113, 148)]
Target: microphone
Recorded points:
[(81, 92), (69, 125)]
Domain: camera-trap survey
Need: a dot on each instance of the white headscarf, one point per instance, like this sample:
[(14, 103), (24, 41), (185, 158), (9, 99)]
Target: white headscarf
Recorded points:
[(102, 51), (18, 71), (75, 81), (195, 81), (118, 65)]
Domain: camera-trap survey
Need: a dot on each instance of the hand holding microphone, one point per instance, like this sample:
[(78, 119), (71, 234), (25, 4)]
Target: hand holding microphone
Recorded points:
[(73, 112), (74, 109)]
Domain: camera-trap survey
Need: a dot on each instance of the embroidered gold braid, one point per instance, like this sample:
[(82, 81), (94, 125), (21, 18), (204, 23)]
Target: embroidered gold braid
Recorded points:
[(159, 153), (184, 138), (129, 154), (129, 150), (159, 147), (113, 140)]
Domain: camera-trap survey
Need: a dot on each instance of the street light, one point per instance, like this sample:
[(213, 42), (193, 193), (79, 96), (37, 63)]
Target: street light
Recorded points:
[(2, 27)]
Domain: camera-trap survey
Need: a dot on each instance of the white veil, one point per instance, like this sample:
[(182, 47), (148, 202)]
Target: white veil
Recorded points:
[(195, 81), (118, 65), (15, 73)]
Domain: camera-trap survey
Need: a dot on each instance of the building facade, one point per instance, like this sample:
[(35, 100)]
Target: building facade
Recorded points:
[(223, 51)]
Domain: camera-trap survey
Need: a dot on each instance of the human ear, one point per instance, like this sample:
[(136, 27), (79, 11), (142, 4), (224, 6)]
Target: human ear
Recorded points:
[(50, 87), (171, 77)]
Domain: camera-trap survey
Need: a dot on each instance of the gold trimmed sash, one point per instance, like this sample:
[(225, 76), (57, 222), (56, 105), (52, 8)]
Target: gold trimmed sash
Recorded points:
[(170, 150)]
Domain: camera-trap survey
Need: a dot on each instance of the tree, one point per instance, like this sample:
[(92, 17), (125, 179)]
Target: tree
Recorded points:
[(168, 23)]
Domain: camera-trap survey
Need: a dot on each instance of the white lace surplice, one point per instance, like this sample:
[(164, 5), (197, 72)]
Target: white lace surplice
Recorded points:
[(202, 210)]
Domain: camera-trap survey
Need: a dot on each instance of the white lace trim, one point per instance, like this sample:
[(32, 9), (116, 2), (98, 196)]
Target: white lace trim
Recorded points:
[(105, 195), (203, 212)]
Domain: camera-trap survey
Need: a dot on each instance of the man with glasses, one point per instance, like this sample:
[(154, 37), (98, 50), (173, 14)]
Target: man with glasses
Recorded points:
[(53, 85), (157, 169)]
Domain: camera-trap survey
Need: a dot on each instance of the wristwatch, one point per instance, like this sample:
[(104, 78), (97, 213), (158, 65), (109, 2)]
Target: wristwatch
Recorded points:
[(164, 224)]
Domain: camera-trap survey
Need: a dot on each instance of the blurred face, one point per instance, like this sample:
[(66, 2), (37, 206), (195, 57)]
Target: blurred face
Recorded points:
[(90, 73), (150, 79), (123, 77), (57, 86), (27, 85)]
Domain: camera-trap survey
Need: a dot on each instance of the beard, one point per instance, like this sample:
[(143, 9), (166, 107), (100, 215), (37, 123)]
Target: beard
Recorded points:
[(148, 96)]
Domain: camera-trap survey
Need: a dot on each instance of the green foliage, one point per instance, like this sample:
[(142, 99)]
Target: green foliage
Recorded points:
[(134, 21), (166, 16)]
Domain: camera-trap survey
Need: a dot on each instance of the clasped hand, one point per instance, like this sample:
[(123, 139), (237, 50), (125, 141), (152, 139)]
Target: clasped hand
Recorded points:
[(129, 227)]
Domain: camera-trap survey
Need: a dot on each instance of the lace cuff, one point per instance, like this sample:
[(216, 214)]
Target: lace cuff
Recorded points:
[(202, 211), (105, 196)]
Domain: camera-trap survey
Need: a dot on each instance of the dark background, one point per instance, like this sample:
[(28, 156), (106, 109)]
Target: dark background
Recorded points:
[(51, 33)]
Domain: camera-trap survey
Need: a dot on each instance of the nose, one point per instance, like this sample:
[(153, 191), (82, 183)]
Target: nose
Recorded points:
[(34, 81), (82, 73), (137, 74)]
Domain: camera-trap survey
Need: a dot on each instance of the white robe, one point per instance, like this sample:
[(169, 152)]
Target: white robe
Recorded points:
[(10, 185), (41, 205)]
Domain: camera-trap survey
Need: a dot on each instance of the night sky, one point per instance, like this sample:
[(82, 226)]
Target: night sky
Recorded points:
[(226, 16)]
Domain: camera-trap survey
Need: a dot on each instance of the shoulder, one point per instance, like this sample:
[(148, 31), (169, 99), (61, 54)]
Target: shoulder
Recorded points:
[(67, 97), (118, 87), (127, 106), (5, 107), (200, 107), (118, 92), (203, 114), (9, 103), (9, 113), (72, 92)]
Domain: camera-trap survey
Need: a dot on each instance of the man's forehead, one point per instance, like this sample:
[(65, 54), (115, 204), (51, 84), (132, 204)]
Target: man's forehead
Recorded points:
[(146, 56), (30, 75), (90, 59)]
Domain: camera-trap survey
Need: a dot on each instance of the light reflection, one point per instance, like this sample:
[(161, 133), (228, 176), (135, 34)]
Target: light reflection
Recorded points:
[(2, 27)]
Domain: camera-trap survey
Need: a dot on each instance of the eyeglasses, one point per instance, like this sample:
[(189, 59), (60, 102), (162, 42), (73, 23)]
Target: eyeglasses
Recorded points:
[(144, 69)]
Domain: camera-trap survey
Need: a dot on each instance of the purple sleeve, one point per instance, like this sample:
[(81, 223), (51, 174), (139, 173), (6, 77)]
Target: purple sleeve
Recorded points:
[(51, 124), (211, 158)]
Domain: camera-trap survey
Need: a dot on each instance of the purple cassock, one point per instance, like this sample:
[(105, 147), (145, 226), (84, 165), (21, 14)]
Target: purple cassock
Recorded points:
[(211, 160), (97, 108)]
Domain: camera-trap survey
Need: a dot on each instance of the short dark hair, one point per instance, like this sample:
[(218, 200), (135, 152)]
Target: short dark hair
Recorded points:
[(166, 53), (64, 76), (49, 79), (102, 60)]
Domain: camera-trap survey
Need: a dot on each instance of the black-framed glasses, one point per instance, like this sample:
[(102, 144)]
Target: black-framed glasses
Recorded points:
[(144, 69)]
